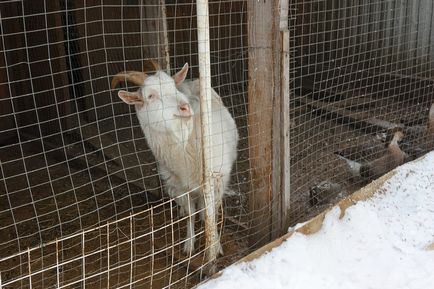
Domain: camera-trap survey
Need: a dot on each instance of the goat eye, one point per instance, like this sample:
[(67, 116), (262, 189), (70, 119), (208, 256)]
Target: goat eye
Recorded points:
[(150, 96)]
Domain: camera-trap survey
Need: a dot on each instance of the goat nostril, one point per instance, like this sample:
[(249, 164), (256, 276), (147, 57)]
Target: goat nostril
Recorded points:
[(184, 110), (184, 107)]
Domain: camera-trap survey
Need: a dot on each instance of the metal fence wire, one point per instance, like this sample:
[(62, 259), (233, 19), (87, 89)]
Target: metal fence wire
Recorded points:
[(326, 96)]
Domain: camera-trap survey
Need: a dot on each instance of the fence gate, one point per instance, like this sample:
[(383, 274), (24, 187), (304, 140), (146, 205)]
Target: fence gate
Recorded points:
[(82, 203), (313, 86)]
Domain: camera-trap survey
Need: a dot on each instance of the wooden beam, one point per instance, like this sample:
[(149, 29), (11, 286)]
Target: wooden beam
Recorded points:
[(360, 120), (8, 128), (280, 152), (65, 105), (155, 45), (260, 106), (365, 84), (285, 188)]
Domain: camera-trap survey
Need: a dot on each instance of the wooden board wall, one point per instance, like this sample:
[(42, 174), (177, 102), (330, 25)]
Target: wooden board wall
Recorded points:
[(34, 63), (393, 35)]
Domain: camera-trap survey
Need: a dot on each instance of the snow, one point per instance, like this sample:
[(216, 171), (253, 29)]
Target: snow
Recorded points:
[(379, 243)]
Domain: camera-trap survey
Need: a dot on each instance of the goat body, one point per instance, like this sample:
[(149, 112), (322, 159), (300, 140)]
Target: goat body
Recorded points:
[(167, 109)]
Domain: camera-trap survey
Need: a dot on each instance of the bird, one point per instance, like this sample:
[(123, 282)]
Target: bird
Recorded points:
[(419, 139), (392, 158)]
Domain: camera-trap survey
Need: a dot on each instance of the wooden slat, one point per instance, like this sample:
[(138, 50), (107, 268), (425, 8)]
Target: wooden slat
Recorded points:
[(156, 45), (7, 123), (280, 175), (61, 80)]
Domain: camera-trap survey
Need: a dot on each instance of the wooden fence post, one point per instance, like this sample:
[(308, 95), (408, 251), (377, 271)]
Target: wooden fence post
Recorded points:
[(268, 120), (280, 141)]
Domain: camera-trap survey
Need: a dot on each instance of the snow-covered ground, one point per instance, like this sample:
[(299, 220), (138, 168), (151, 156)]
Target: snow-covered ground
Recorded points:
[(379, 243)]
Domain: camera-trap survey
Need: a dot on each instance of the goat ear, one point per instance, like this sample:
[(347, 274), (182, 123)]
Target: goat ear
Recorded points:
[(131, 97), (179, 77)]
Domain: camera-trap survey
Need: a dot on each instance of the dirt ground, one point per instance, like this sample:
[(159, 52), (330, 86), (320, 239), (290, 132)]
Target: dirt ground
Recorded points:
[(315, 138), (62, 186), (49, 191)]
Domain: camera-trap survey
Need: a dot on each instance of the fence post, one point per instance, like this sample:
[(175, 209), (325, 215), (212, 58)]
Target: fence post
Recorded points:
[(282, 130), (260, 98), (268, 119), (211, 234)]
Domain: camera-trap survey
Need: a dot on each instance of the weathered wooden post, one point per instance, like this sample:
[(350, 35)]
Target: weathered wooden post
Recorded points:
[(281, 185), (268, 118)]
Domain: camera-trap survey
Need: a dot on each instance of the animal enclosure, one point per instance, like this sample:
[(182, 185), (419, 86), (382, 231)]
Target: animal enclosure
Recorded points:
[(82, 203)]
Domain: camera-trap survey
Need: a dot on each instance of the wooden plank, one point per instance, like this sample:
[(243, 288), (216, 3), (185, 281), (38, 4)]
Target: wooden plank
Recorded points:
[(124, 37), (286, 122), (280, 150), (414, 78), (276, 141), (388, 33), (358, 119), (412, 34), (423, 33), (363, 85), (8, 132), (60, 79), (430, 34), (17, 77), (38, 81), (261, 97), (156, 45), (42, 64)]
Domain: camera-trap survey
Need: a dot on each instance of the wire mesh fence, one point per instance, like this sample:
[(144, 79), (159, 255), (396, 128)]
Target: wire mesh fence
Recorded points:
[(361, 70), (80, 184)]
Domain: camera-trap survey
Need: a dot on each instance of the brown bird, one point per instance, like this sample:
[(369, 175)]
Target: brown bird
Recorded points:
[(419, 139), (392, 158)]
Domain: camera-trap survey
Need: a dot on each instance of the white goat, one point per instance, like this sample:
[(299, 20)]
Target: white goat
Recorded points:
[(168, 112)]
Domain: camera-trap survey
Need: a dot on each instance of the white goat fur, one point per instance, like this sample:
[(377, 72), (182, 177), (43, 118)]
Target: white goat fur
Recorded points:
[(176, 141)]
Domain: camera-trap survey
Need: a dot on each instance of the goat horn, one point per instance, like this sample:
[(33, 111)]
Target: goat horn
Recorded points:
[(135, 77), (151, 65)]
